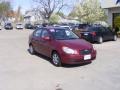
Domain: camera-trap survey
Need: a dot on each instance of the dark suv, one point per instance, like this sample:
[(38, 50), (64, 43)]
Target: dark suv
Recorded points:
[(29, 26), (97, 34)]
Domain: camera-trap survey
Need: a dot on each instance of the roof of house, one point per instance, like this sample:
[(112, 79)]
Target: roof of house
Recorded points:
[(110, 4)]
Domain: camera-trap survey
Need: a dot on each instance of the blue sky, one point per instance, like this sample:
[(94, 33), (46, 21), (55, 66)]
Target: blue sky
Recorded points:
[(29, 4), (25, 4)]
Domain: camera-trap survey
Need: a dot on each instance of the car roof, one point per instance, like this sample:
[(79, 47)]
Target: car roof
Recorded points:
[(37, 24), (48, 28), (18, 23), (64, 26), (8, 23), (95, 26)]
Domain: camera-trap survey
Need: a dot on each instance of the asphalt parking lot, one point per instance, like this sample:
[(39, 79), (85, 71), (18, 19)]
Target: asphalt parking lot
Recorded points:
[(21, 71)]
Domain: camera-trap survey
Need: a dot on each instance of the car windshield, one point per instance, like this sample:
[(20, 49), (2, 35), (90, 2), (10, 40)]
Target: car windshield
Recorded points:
[(37, 25), (8, 24), (63, 34), (19, 24)]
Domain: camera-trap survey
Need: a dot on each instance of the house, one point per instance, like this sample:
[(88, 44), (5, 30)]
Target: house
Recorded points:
[(112, 9), (32, 17)]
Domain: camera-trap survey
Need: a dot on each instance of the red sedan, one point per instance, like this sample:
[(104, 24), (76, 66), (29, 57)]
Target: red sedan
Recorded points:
[(61, 45)]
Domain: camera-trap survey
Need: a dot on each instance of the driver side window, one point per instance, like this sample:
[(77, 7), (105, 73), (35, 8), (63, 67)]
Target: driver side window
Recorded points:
[(108, 30), (103, 29)]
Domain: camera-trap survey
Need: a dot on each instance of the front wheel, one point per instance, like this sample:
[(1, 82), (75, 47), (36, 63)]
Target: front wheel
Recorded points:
[(56, 59), (31, 50)]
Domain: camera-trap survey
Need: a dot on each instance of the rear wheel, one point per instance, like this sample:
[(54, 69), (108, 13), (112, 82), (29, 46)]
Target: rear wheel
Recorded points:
[(31, 50), (115, 38), (56, 59), (100, 40)]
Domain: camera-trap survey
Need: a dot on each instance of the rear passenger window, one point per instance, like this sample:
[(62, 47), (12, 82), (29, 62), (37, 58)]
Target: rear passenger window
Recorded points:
[(44, 34), (102, 29), (92, 29), (107, 30), (37, 33)]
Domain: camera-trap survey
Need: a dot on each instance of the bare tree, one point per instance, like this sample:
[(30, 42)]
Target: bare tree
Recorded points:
[(47, 7)]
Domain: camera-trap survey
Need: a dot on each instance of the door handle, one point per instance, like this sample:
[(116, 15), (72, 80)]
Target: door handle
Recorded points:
[(37, 40)]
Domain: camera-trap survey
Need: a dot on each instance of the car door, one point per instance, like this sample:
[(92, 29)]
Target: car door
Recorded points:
[(104, 33), (36, 40), (45, 45), (109, 33)]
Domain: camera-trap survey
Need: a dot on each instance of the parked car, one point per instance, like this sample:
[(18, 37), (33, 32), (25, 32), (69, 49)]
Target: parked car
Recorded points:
[(67, 27), (97, 34), (83, 26), (19, 26), (75, 27), (37, 26), (29, 26), (63, 26), (61, 45), (8, 26)]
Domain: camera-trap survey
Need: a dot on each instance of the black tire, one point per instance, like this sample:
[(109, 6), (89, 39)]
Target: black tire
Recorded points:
[(100, 40), (115, 38), (31, 50), (56, 60)]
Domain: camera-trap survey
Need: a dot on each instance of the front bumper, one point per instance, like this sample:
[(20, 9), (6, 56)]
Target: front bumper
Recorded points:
[(19, 27), (8, 28), (77, 59)]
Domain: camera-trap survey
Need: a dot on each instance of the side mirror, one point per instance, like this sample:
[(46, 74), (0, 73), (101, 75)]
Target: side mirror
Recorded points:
[(47, 38)]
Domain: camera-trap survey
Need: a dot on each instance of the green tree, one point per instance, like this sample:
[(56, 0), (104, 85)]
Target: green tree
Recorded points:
[(77, 12), (88, 11), (60, 14), (117, 21), (54, 18), (5, 8)]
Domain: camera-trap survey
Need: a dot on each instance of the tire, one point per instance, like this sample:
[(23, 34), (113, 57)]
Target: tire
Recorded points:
[(56, 59), (31, 50), (115, 38), (100, 40)]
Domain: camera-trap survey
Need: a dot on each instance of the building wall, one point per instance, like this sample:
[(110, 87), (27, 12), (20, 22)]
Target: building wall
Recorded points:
[(33, 17), (110, 7), (110, 12)]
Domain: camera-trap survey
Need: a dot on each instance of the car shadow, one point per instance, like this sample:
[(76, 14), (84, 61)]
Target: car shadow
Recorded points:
[(75, 65), (106, 41), (63, 65), (41, 56)]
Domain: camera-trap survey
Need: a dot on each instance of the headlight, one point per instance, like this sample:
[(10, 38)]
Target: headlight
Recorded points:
[(68, 50)]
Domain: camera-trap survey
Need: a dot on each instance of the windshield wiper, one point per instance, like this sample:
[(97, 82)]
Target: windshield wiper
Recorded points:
[(60, 39)]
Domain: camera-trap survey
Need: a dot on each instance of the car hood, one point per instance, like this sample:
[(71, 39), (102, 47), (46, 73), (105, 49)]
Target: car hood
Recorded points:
[(19, 26), (76, 44)]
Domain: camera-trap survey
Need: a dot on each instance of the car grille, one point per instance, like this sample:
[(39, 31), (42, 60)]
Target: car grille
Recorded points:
[(85, 52)]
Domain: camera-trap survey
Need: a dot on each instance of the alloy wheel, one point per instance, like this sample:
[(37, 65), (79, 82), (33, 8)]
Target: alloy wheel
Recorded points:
[(56, 59)]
